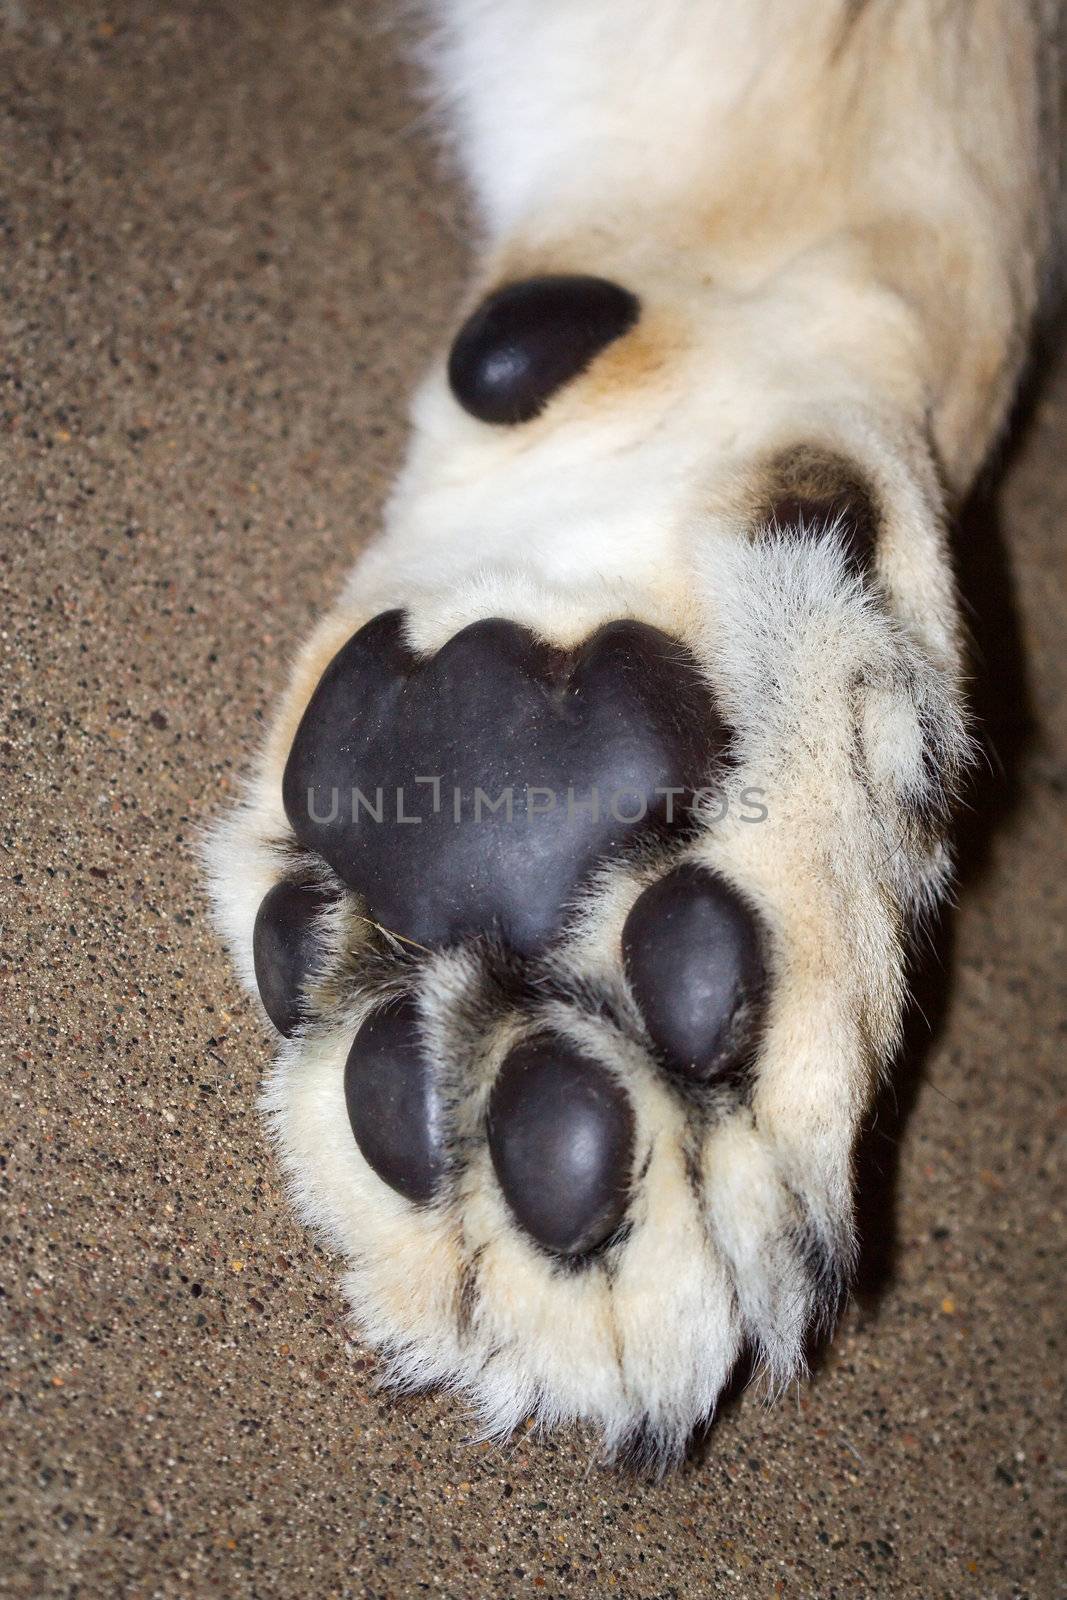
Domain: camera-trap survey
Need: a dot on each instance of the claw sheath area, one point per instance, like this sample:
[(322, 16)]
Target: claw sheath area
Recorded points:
[(530, 338), (561, 1137), (693, 953)]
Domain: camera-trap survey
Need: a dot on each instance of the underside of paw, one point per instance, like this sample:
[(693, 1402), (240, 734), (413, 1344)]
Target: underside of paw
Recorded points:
[(584, 936), (566, 1069)]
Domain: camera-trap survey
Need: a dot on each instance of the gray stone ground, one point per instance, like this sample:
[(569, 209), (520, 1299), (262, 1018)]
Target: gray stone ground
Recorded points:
[(228, 250)]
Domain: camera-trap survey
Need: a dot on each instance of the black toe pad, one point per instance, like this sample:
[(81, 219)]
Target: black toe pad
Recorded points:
[(474, 790), (561, 1135), (393, 1103), (530, 338), (693, 954), (284, 949)]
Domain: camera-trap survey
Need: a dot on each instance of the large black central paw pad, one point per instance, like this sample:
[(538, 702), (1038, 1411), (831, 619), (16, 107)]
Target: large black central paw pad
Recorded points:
[(475, 789)]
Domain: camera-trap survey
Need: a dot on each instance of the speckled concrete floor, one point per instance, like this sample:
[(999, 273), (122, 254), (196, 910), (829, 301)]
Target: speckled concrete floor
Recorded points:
[(228, 252)]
